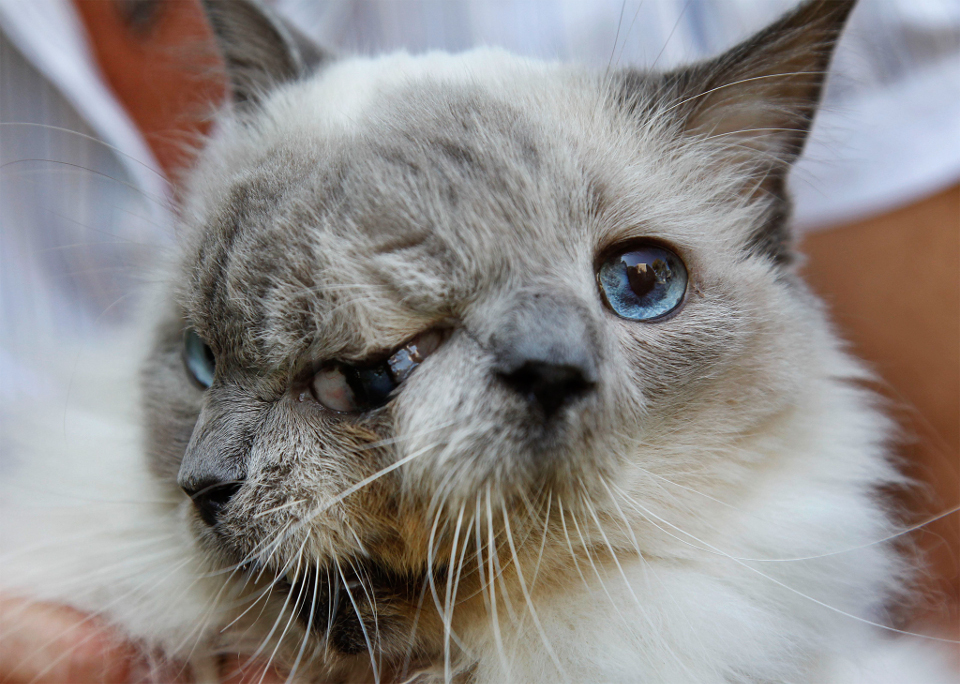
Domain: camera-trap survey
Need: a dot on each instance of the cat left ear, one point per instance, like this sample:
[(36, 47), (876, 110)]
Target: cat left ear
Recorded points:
[(758, 101), (261, 50)]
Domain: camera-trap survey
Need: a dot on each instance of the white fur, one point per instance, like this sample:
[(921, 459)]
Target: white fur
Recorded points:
[(766, 561), (85, 523)]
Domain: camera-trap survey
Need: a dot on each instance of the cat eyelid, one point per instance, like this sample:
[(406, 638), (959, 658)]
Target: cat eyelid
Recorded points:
[(443, 331), (621, 244), (347, 388)]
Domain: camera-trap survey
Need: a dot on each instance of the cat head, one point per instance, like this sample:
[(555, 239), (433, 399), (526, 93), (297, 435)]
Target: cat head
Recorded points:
[(424, 299)]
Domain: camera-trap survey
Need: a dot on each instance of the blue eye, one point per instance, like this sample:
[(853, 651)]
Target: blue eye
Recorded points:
[(198, 358), (643, 283)]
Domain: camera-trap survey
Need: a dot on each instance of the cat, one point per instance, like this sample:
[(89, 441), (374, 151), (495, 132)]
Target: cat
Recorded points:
[(481, 369)]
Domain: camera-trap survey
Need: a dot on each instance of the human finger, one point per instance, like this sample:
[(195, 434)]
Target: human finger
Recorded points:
[(240, 670), (42, 643)]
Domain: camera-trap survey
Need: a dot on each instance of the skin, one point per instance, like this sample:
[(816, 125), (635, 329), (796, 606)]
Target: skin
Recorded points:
[(42, 643)]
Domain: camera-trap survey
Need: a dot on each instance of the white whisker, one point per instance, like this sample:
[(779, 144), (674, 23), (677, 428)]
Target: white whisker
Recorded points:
[(363, 627)]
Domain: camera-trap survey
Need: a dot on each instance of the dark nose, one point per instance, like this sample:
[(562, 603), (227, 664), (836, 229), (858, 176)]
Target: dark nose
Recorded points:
[(210, 496), (213, 468), (546, 351), (548, 386)]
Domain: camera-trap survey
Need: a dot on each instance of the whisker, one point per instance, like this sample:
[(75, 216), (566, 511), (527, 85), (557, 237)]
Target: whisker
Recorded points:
[(566, 535), (890, 537), (283, 609), (363, 627), (327, 505), (741, 82), (543, 542), (626, 37), (306, 632), (491, 561), (743, 564), (159, 174), (293, 611), (448, 608), (270, 511), (596, 571), (670, 36), (528, 599), (160, 201), (413, 633), (616, 38), (610, 549)]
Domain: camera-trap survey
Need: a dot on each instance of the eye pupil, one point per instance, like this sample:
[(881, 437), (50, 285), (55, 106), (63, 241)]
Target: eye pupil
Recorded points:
[(346, 388), (642, 279), (371, 385)]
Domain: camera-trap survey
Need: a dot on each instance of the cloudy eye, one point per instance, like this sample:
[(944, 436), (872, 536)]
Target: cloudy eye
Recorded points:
[(643, 283), (198, 358), (349, 388)]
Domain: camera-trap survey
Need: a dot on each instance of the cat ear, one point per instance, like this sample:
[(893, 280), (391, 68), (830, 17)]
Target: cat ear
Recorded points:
[(758, 101), (259, 48), (764, 92)]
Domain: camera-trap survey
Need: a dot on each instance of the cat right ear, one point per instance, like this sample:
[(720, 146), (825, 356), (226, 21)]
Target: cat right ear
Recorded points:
[(260, 50), (754, 105)]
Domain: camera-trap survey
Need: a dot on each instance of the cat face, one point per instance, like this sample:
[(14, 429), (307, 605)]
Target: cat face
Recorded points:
[(420, 296)]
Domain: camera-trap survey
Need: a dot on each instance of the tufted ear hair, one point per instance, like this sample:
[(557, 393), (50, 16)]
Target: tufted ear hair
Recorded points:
[(260, 50), (755, 104), (765, 91)]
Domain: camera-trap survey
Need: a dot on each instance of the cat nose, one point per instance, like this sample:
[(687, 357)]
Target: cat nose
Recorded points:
[(546, 351), (548, 386), (213, 467), (210, 496)]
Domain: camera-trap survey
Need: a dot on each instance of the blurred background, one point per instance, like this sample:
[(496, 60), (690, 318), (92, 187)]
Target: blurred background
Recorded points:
[(102, 103)]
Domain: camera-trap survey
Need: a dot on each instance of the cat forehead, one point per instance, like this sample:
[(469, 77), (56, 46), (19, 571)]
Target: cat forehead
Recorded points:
[(363, 113), (396, 172), (345, 93), (416, 180), (376, 124)]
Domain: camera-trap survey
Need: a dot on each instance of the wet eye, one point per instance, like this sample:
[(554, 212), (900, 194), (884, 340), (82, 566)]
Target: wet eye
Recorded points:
[(198, 358), (643, 283), (346, 388)]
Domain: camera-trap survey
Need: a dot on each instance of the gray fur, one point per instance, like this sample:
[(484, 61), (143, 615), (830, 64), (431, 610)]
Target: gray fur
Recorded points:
[(480, 206), (760, 97)]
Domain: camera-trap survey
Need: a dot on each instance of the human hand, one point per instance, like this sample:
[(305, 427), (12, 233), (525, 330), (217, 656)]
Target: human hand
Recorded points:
[(42, 643)]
